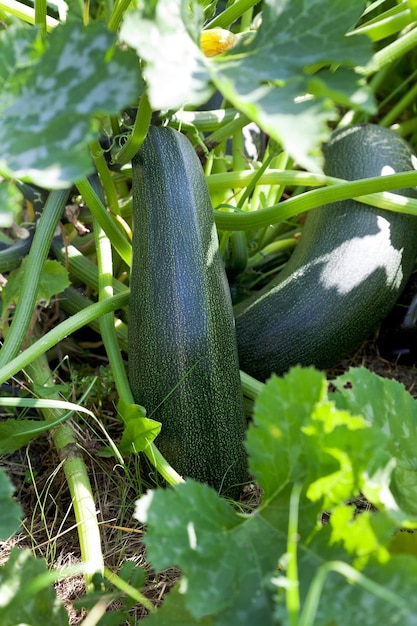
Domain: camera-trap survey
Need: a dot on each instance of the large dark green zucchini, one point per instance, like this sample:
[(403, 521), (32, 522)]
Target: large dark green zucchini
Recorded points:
[(183, 363), (346, 273)]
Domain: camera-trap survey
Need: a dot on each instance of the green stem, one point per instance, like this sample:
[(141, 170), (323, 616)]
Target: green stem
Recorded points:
[(225, 220), (250, 386), (254, 181), (108, 334), (311, 603), (231, 14), (118, 12), (45, 230), (105, 177), (112, 229), (293, 594), (237, 240), (400, 106), (25, 13), (272, 196), (138, 134), (40, 15), (246, 20), (162, 466), (59, 332), (130, 591), (282, 245), (227, 180), (106, 322), (238, 152), (79, 266), (391, 52), (204, 121), (71, 301), (389, 23), (227, 130), (75, 473)]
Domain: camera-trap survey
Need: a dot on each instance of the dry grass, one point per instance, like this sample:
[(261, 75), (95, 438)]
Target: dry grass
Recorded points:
[(49, 528)]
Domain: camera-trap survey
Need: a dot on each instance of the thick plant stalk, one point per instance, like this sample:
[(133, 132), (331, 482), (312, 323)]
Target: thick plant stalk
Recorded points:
[(51, 215), (75, 473), (109, 336), (59, 332)]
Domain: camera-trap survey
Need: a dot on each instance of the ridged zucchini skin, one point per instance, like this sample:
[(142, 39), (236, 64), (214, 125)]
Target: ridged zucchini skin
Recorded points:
[(346, 272), (183, 363)]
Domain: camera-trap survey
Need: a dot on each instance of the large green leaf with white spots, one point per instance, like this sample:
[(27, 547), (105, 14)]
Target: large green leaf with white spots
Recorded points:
[(51, 99)]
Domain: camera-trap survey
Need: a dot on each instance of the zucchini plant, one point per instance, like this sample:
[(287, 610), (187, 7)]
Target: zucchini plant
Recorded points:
[(116, 69)]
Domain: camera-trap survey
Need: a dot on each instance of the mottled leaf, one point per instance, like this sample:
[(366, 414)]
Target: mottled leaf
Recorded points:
[(45, 131), (203, 533), (270, 77), (175, 67)]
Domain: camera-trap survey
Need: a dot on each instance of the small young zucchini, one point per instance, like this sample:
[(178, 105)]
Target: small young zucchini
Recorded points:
[(183, 364), (346, 273)]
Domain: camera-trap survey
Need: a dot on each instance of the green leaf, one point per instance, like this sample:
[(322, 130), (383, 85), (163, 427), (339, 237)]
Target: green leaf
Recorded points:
[(14, 434), (392, 412), (203, 533), (139, 431), (274, 444), (20, 601), (175, 66), (18, 52), (11, 512), (364, 536), (297, 435), (174, 613), (46, 129), (342, 87), (391, 602), (53, 279), (343, 444), (269, 77)]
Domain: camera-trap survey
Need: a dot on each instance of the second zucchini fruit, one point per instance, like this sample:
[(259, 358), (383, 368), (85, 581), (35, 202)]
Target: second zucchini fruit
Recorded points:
[(346, 272)]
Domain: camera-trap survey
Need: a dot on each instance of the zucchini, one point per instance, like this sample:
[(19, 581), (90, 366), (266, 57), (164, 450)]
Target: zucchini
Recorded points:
[(183, 363), (11, 256), (345, 274)]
